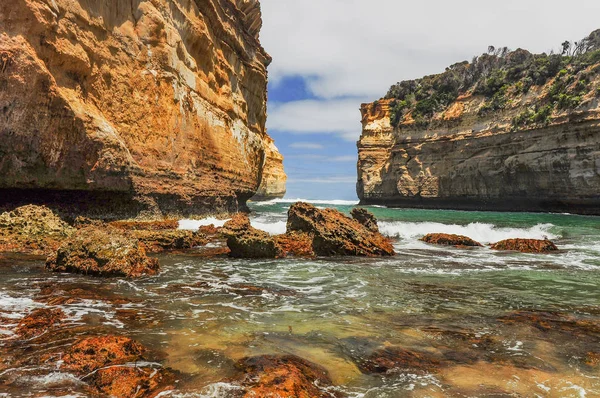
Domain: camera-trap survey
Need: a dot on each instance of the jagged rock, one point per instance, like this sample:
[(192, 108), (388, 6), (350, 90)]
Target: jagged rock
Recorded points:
[(32, 229), (334, 234), (244, 241), (159, 241), (284, 376), (450, 240), (526, 245), (102, 252), (298, 244), (366, 218), (76, 75)]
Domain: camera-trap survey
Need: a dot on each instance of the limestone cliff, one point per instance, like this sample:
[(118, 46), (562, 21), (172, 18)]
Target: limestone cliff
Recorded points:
[(273, 177), (509, 131), (133, 107)]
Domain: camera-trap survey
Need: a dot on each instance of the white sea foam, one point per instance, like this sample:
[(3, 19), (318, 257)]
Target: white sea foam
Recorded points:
[(193, 225), (313, 201), (484, 233), (272, 227)]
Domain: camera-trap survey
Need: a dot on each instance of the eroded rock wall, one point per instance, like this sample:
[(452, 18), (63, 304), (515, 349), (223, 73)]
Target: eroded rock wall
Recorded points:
[(470, 160), (132, 107)]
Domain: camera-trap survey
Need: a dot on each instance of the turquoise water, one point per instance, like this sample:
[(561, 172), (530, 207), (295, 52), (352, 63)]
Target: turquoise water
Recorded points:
[(501, 324)]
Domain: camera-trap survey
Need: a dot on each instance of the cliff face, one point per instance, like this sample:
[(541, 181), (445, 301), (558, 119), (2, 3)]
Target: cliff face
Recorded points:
[(273, 178), (514, 149), (134, 107)]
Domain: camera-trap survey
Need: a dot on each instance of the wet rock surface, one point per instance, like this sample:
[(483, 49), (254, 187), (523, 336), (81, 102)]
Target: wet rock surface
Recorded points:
[(93, 353), (284, 376), (164, 240), (38, 322), (366, 218), (32, 230), (526, 246), (297, 244), (245, 241), (102, 252), (450, 240), (334, 234)]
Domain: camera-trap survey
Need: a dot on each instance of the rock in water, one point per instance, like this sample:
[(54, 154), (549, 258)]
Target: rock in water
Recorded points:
[(366, 218), (526, 245), (77, 76), (102, 252), (450, 240), (284, 376), (244, 241), (32, 229), (334, 234), (109, 365)]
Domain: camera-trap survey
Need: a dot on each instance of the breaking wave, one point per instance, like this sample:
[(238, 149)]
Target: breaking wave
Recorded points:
[(484, 233)]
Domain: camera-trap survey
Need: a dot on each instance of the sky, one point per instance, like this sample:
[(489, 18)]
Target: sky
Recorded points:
[(329, 56)]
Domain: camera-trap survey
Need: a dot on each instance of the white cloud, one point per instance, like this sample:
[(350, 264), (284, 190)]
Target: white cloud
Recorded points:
[(317, 117), (306, 145), (359, 48)]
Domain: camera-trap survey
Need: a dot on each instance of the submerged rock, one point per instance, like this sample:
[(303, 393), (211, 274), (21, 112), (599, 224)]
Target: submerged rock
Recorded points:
[(450, 240), (389, 359), (334, 234), (39, 322), (526, 245), (109, 365), (33, 230), (245, 241), (93, 353), (284, 376), (366, 218), (102, 252)]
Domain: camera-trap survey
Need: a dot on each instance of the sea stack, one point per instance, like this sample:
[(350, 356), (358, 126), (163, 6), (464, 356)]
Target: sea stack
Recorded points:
[(509, 131), (134, 108)]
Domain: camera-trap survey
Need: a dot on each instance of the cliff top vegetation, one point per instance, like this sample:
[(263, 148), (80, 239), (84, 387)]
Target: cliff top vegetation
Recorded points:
[(500, 75)]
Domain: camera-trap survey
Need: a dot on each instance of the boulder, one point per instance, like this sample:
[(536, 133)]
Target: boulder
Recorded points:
[(526, 245), (366, 218), (163, 225), (32, 230), (102, 252), (334, 234), (450, 240), (244, 241), (284, 376)]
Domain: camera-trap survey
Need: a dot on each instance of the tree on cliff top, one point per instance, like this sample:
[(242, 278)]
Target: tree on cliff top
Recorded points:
[(494, 75)]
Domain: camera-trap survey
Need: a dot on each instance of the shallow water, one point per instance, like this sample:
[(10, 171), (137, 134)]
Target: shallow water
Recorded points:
[(502, 324)]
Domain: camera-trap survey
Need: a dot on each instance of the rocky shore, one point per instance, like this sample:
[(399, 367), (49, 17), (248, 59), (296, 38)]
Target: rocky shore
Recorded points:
[(105, 361)]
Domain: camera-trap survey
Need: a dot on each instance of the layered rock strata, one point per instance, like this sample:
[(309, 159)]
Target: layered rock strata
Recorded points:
[(508, 147), (135, 108)]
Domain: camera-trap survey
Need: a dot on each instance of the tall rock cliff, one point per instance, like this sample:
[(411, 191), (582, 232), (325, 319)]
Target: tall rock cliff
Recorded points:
[(133, 107), (508, 131)]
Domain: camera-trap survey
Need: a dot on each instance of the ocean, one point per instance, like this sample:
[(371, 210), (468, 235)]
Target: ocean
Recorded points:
[(476, 322)]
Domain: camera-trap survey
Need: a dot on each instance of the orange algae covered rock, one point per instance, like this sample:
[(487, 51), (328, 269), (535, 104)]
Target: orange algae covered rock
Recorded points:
[(526, 245)]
